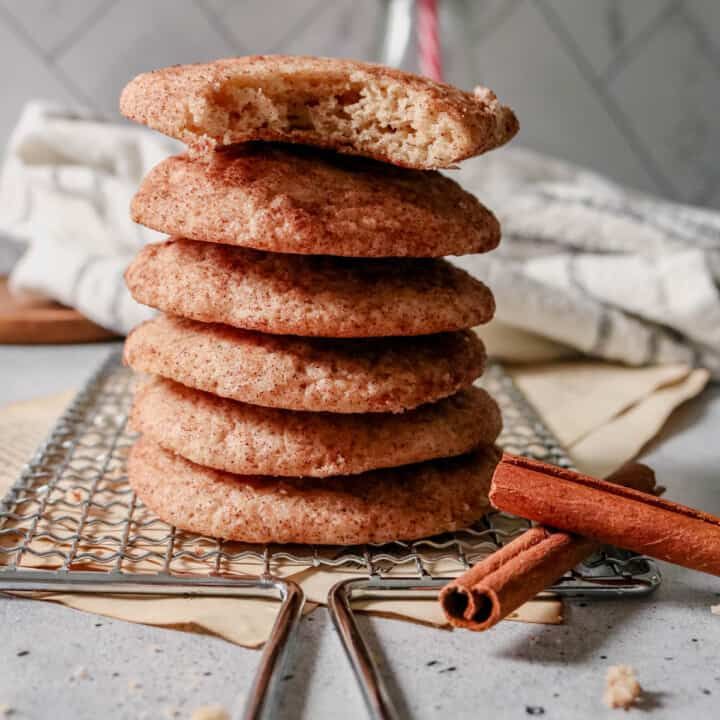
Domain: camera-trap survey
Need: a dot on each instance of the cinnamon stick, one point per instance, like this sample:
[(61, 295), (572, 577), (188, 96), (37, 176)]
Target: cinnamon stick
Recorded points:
[(501, 583), (608, 513)]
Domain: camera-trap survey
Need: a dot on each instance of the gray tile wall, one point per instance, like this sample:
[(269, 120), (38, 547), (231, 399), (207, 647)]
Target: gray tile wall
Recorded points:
[(628, 87)]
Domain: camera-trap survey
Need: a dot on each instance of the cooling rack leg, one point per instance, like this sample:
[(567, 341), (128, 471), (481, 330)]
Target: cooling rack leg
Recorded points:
[(376, 695), (263, 691)]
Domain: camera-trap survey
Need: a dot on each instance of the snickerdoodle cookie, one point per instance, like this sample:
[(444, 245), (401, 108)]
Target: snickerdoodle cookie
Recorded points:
[(294, 199), (348, 106), (403, 503), (253, 440), (307, 295), (319, 374)]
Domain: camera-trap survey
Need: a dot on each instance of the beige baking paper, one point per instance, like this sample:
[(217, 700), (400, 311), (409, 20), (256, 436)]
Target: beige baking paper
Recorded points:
[(604, 414), (606, 448), (246, 622), (576, 398)]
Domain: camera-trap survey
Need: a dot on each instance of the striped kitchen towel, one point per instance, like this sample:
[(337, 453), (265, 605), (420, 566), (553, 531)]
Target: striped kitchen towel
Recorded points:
[(604, 270)]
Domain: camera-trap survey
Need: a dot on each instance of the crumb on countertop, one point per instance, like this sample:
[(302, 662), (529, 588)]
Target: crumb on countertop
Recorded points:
[(621, 687), (79, 673), (715, 609), (6, 710), (210, 712)]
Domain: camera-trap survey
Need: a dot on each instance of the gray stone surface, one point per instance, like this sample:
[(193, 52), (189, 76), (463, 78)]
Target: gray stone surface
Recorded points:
[(671, 638)]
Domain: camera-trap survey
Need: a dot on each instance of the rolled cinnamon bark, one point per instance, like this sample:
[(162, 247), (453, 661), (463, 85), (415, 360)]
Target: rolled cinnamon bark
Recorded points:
[(607, 513), (501, 583)]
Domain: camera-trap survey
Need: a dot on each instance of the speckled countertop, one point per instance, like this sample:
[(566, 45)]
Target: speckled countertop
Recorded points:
[(516, 671)]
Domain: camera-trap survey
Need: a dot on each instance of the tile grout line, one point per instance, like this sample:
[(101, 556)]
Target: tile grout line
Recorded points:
[(612, 107), (49, 63), (629, 51), (710, 51), (216, 23), (80, 30), (498, 18), (300, 25)]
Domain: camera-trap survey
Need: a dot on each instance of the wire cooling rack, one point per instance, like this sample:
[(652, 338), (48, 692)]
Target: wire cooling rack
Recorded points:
[(72, 523)]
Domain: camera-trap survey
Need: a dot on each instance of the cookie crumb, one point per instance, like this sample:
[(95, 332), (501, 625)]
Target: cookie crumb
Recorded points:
[(79, 673), (134, 684), (73, 496), (715, 609), (622, 688), (210, 712), (6, 710)]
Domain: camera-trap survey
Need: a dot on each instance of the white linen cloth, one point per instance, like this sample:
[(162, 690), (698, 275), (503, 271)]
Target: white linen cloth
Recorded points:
[(65, 192), (584, 262), (596, 267)]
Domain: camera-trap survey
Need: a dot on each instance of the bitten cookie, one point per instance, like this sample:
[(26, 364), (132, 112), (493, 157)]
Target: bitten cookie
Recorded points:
[(404, 503), (252, 440), (307, 295), (295, 199), (318, 374), (349, 106)]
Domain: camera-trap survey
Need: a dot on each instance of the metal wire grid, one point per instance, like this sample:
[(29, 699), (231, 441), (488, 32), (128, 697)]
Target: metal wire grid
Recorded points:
[(72, 508)]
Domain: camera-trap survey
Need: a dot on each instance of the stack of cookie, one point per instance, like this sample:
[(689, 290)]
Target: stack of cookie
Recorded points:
[(313, 368)]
